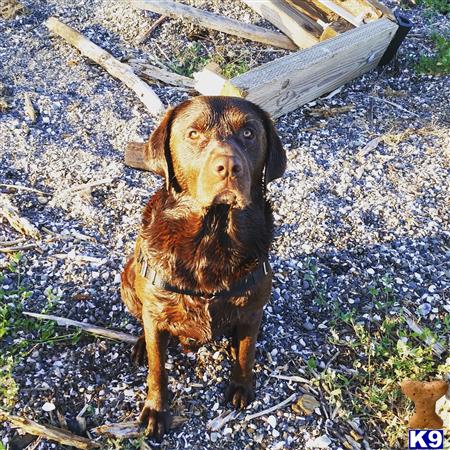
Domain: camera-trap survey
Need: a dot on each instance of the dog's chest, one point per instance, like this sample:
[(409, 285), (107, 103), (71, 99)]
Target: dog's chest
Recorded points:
[(196, 321)]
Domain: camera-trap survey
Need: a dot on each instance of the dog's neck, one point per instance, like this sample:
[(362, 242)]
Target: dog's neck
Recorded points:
[(207, 247)]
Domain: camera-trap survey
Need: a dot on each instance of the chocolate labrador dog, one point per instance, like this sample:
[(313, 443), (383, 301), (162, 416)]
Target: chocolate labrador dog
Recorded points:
[(200, 265)]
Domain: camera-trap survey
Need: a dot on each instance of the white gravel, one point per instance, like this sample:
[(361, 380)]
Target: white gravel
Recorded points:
[(347, 219)]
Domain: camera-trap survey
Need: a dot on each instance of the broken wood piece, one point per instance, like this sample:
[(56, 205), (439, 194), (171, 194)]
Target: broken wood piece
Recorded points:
[(17, 248), (112, 65), (303, 30), (215, 22), (91, 184), (333, 29), (19, 187), (273, 408), (12, 215), (150, 72), (221, 420), (51, 433), (129, 430), (293, 378), (291, 81), (355, 12), (210, 81), (93, 329), (153, 27), (436, 347), (310, 9), (135, 156), (30, 112)]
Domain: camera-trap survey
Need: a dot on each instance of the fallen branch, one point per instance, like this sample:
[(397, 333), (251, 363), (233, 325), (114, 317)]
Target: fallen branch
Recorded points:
[(215, 22), (221, 420), (273, 408), (24, 188), (129, 430), (17, 248), (294, 378), (10, 213), (48, 432), (93, 329), (113, 66), (396, 105), (148, 71), (154, 26), (82, 187), (80, 258)]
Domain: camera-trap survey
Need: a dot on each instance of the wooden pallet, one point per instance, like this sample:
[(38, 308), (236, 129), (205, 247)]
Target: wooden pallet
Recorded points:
[(339, 41), (324, 64)]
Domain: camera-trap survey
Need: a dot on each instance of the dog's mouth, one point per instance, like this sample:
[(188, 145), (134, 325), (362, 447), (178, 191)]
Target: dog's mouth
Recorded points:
[(225, 197)]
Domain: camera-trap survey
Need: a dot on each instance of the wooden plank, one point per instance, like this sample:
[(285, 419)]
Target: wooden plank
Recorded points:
[(285, 84), (215, 22), (303, 30)]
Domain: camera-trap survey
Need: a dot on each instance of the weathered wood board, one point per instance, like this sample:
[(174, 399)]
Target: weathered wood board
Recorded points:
[(300, 28), (285, 84)]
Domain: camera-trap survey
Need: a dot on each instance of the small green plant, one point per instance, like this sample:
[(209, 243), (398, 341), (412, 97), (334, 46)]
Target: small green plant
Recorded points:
[(231, 68), (382, 356), (441, 6), (189, 60), (439, 64), (8, 386), (23, 333)]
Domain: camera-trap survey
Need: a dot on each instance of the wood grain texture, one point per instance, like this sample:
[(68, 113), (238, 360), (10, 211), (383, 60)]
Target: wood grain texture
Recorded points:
[(289, 82), (303, 30), (356, 12), (112, 65), (215, 22)]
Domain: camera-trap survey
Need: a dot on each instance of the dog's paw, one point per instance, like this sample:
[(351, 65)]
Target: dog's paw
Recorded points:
[(139, 352), (156, 423), (239, 395)]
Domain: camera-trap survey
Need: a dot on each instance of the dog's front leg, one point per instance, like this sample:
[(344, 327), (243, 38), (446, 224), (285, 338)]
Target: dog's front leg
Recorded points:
[(155, 416), (241, 392)]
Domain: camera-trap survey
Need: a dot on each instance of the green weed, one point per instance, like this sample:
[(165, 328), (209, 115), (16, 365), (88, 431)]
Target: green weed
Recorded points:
[(439, 64), (21, 332)]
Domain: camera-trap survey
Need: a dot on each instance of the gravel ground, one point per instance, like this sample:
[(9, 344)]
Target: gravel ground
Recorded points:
[(348, 213)]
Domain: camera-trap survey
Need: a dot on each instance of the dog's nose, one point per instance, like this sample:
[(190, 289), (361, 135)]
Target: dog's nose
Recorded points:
[(226, 166)]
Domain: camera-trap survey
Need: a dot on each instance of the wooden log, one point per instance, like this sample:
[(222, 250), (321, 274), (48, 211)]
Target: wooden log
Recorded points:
[(285, 84), (215, 22), (113, 66), (98, 331), (51, 433), (12, 215), (303, 30)]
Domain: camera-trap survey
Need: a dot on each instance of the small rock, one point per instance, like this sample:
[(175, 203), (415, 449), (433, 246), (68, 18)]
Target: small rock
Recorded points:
[(47, 406), (272, 421), (319, 442)]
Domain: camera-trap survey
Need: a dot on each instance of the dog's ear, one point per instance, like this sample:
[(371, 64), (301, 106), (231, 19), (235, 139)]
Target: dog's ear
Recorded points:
[(158, 157), (276, 155)]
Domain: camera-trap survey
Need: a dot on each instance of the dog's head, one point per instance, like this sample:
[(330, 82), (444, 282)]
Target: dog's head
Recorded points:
[(217, 150)]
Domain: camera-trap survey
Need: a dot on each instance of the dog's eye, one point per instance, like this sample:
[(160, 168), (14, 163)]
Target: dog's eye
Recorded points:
[(193, 134), (247, 133)]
